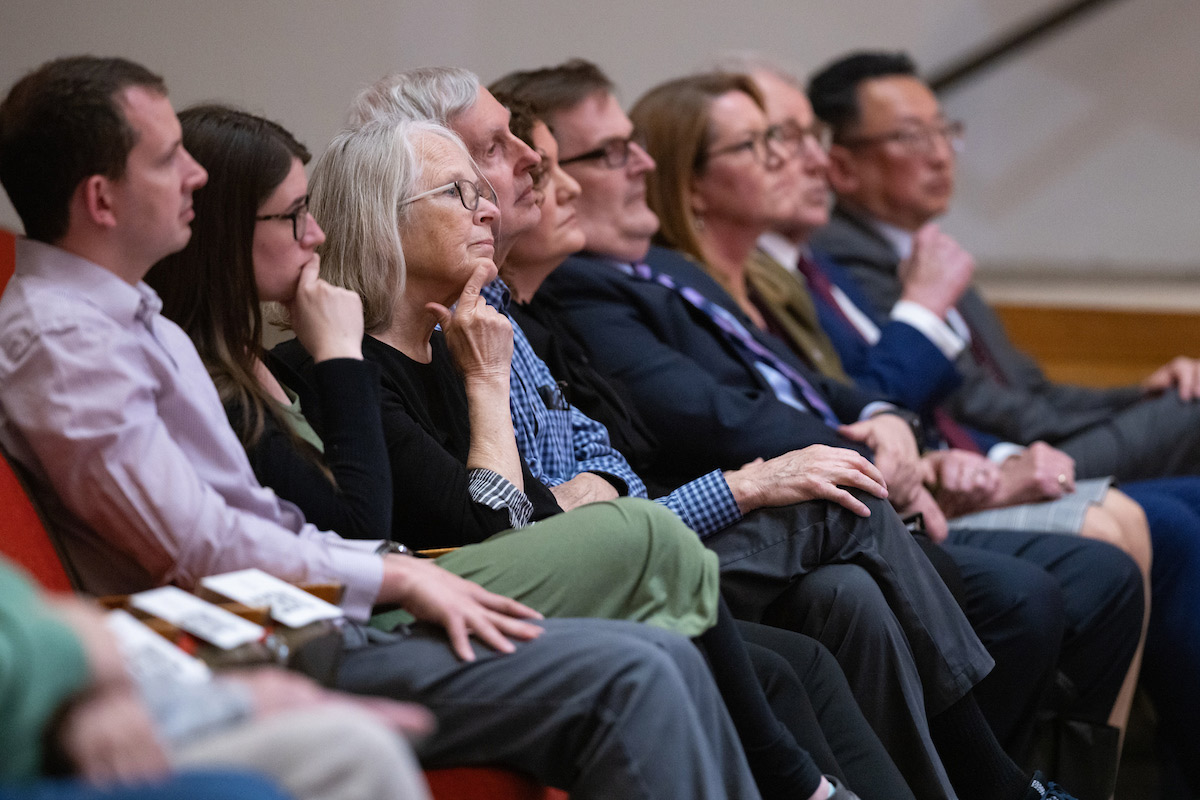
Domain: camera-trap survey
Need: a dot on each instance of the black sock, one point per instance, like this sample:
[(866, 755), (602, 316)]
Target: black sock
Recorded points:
[(976, 764), (781, 768)]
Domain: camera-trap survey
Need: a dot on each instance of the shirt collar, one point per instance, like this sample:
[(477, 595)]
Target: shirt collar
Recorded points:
[(781, 249), (103, 289), (497, 294), (900, 239)]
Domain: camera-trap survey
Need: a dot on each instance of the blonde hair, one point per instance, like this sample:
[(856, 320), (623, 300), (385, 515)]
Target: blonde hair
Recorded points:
[(674, 118)]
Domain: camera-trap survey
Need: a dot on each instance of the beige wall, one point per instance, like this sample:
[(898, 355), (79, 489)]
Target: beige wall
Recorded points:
[(1084, 153)]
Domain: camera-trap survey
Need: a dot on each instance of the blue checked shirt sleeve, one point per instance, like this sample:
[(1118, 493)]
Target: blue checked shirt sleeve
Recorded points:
[(497, 492), (594, 453), (706, 505), (557, 440)]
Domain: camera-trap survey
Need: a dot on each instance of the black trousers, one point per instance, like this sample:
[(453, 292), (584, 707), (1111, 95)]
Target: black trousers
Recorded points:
[(1046, 604), (862, 587), (804, 682)]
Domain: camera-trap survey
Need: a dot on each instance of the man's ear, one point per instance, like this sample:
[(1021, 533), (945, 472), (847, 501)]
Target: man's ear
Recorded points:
[(843, 170), (94, 199)]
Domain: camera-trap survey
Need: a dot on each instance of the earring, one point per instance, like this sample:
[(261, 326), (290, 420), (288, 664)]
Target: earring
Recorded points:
[(698, 222)]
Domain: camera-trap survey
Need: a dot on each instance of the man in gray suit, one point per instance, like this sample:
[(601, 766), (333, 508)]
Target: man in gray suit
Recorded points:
[(892, 167)]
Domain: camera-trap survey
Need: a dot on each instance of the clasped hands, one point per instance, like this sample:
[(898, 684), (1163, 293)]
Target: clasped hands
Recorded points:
[(964, 482)]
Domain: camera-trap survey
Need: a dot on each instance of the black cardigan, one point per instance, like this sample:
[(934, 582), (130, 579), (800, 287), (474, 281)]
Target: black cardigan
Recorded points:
[(427, 435), (341, 400)]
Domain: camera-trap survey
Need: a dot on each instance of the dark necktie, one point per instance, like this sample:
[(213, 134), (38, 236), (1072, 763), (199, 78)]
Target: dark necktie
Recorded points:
[(820, 285), (738, 333)]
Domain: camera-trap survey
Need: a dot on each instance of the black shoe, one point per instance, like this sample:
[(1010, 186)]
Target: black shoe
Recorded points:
[(1042, 789)]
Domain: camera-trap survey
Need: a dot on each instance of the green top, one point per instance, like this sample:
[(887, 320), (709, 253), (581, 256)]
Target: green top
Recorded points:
[(42, 664), (298, 422)]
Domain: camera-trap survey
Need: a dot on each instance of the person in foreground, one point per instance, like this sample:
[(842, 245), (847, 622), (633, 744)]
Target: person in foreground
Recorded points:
[(110, 409), (73, 708)]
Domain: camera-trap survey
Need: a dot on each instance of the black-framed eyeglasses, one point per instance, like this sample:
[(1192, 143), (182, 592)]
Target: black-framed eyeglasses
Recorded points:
[(758, 144), (614, 153), (298, 216), (467, 192), (915, 138)]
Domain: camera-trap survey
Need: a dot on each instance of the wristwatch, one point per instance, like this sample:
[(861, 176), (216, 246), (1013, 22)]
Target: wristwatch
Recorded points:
[(393, 547)]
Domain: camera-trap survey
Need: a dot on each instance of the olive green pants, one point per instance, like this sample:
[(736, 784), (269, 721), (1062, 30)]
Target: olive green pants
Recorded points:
[(621, 559)]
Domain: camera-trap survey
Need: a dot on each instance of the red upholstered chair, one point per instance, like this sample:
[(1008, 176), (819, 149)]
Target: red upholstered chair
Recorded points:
[(23, 537), (7, 256), (470, 783)]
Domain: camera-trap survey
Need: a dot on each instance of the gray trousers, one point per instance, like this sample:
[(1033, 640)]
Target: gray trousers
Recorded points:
[(600, 708), (866, 591), (1153, 438)]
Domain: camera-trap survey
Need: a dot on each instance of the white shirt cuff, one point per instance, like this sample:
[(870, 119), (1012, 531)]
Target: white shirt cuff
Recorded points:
[(1002, 451), (875, 407), (929, 325)]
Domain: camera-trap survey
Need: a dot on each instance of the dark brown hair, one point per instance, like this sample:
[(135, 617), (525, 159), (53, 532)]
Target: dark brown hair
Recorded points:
[(208, 288), (59, 125), (552, 89)]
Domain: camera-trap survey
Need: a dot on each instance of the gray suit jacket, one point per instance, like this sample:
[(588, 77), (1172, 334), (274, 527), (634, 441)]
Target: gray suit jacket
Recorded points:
[(1023, 405)]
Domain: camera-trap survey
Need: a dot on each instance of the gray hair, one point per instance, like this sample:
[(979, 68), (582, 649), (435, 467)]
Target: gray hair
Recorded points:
[(357, 192), (435, 94), (748, 62)]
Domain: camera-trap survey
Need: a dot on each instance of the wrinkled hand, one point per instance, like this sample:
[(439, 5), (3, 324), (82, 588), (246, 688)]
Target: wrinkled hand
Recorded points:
[(277, 690), (817, 472), (896, 453), (480, 338), (1038, 473), (107, 734), (1182, 373), (327, 319), (935, 521), (961, 481), (463, 608), (937, 272), (584, 488)]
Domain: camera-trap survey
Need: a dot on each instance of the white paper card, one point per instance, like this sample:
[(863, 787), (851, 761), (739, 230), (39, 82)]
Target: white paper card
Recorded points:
[(290, 605), (212, 624), (149, 656)]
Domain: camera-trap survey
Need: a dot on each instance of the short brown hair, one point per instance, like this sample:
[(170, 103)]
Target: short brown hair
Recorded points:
[(552, 89), (60, 124), (674, 118)]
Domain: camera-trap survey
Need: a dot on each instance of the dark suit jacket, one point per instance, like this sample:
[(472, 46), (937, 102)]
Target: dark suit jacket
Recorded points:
[(1025, 405), (702, 397), (903, 365)]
